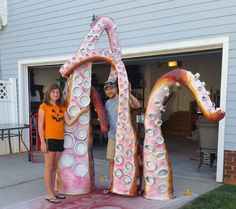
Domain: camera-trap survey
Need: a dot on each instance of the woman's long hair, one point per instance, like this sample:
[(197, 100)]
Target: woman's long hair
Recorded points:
[(49, 89)]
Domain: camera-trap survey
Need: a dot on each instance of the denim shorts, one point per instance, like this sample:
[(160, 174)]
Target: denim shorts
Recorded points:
[(55, 145)]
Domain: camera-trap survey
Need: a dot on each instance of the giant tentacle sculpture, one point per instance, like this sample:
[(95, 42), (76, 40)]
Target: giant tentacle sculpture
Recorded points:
[(156, 165), (76, 170)]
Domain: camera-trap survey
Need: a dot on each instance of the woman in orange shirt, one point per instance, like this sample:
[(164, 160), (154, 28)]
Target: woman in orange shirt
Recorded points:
[(51, 118)]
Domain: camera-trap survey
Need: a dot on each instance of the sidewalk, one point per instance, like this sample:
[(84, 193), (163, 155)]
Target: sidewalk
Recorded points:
[(21, 185)]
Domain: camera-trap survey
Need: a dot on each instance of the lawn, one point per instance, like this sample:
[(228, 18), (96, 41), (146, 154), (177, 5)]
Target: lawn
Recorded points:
[(223, 197)]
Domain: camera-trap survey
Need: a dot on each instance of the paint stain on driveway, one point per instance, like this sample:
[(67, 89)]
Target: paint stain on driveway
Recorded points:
[(97, 200)]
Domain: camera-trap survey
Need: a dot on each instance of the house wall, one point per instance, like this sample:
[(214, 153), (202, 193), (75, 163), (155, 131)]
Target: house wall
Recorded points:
[(56, 27)]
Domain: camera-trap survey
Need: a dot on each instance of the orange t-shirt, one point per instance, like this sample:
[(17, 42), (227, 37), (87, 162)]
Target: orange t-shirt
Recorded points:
[(53, 121)]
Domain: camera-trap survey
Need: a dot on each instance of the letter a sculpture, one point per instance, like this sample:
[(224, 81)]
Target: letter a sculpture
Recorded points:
[(76, 169)]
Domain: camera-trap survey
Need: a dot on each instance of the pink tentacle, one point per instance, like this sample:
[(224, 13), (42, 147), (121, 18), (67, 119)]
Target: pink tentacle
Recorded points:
[(157, 170), (101, 112), (76, 171)]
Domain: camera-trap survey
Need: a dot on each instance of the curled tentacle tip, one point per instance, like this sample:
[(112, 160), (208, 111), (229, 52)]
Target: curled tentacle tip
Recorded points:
[(220, 114), (217, 115)]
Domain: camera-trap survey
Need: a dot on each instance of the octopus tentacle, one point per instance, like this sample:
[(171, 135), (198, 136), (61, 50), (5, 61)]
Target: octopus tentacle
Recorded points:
[(157, 169), (127, 138), (76, 170), (99, 107), (126, 157)]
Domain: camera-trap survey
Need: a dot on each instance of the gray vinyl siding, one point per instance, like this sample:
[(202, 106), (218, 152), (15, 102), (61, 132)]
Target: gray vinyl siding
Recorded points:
[(44, 28)]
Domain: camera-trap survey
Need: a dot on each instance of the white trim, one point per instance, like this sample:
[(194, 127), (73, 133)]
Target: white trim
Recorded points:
[(45, 60), (223, 94), (23, 94), (175, 47)]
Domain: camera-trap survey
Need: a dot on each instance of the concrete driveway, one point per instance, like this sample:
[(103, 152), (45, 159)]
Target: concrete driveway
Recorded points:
[(21, 182)]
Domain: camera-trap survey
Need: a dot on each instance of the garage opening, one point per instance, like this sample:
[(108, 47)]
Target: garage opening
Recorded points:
[(183, 124)]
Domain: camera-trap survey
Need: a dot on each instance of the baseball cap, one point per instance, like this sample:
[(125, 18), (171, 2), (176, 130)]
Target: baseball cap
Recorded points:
[(109, 84)]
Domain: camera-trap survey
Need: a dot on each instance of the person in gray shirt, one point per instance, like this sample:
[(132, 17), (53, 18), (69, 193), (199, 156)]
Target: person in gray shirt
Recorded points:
[(111, 107)]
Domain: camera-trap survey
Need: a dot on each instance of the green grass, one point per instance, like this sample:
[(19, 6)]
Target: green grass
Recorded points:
[(224, 197)]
